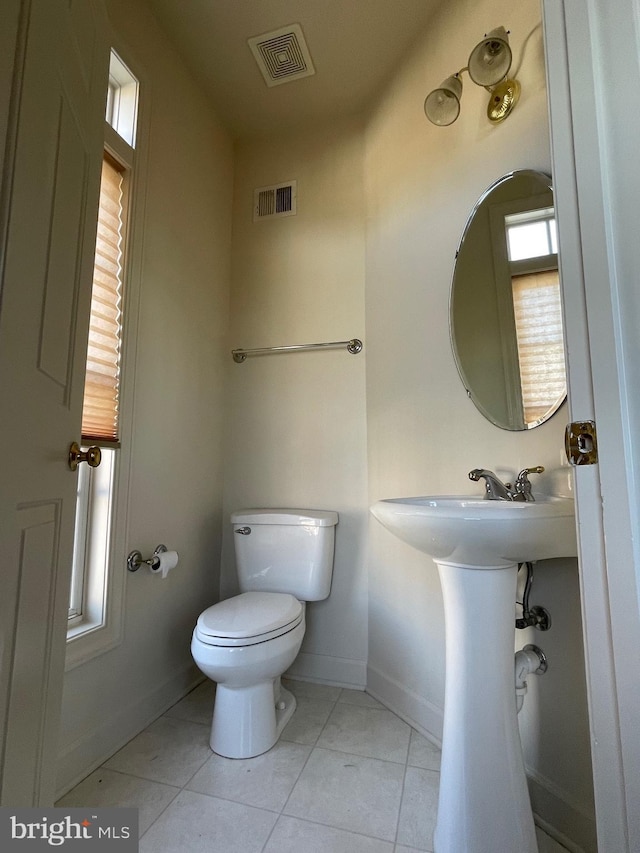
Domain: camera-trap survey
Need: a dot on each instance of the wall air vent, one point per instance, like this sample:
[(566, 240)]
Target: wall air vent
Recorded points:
[(282, 55), (278, 200)]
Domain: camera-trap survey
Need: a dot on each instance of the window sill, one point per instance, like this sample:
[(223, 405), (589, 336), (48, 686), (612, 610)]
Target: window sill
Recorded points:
[(87, 641)]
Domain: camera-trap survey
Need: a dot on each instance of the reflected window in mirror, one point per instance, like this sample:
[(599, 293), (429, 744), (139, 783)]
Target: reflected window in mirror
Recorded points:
[(532, 246), (506, 309), (531, 234)]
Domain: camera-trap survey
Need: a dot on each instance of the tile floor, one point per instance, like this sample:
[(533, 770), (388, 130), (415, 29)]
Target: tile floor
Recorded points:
[(347, 776)]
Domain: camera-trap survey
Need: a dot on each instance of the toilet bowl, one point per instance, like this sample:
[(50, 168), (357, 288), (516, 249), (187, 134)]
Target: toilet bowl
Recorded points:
[(244, 644), (247, 642)]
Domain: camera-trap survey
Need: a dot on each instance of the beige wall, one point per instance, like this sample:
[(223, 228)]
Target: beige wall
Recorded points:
[(424, 433), (174, 370), (296, 432)]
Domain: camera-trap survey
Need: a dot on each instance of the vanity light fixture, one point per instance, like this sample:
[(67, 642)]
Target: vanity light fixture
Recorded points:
[(488, 66)]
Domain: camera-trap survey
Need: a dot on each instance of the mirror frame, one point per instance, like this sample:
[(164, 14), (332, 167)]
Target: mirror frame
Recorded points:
[(463, 378)]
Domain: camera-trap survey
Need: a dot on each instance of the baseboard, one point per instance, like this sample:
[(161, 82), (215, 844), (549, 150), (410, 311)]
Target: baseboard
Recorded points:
[(84, 755), (326, 669), (410, 707), (564, 821)]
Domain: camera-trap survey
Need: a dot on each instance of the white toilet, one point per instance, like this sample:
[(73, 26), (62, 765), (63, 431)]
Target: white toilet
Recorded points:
[(284, 558)]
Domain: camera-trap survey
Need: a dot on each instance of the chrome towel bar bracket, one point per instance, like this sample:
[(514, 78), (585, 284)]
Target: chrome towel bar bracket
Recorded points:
[(354, 346)]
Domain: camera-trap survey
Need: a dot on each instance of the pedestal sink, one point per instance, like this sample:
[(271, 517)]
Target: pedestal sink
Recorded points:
[(477, 544)]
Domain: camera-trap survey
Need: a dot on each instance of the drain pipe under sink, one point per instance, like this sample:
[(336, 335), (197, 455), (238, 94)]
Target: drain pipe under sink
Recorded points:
[(530, 660)]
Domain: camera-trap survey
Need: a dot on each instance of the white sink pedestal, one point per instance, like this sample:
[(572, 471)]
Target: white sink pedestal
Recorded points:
[(477, 545), (484, 804)]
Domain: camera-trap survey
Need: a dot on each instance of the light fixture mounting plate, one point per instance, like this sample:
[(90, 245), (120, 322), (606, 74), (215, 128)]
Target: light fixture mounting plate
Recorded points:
[(503, 99)]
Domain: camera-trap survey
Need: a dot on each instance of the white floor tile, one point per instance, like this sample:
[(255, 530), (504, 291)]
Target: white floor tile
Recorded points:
[(168, 751), (299, 836), (347, 776), (265, 781), (197, 706), (419, 808), (308, 720), (366, 731), (310, 690), (349, 792), (423, 753), (194, 823), (359, 697), (106, 788)]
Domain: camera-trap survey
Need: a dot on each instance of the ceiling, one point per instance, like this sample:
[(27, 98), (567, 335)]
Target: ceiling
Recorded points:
[(354, 45)]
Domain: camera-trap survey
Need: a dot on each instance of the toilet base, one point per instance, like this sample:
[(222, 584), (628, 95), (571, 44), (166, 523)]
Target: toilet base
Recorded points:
[(248, 721)]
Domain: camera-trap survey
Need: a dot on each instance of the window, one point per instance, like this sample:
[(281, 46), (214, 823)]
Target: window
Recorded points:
[(91, 581), (100, 407), (122, 100), (87, 600)]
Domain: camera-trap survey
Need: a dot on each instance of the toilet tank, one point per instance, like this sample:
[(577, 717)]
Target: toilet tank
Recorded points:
[(285, 550)]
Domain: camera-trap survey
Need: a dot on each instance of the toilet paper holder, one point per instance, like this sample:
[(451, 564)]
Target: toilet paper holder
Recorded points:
[(134, 560)]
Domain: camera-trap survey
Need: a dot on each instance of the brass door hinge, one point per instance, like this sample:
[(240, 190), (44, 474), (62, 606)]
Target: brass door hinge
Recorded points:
[(581, 443)]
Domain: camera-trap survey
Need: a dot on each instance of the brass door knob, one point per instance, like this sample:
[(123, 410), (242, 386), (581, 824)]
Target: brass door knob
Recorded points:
[(92, 456)]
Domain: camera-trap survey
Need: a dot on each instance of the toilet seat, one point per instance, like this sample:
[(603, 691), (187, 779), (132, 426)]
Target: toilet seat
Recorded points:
[(248, 619)]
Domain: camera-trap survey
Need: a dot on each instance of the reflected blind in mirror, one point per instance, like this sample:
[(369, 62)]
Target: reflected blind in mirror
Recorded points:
[(538, 319)]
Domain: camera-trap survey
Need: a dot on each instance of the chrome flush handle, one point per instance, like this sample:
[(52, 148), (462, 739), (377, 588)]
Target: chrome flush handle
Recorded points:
[(243, 531)]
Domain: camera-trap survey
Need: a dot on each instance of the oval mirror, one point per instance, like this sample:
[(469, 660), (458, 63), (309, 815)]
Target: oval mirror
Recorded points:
[(506, 311)]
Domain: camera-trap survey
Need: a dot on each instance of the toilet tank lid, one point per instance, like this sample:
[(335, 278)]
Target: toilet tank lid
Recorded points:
[(306, 517)]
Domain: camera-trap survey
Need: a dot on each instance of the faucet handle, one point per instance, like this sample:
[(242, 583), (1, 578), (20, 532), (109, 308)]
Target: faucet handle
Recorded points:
[(537, 469), (522, 484)]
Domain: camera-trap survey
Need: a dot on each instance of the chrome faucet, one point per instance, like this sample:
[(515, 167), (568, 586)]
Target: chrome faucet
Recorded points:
[(496, 490)]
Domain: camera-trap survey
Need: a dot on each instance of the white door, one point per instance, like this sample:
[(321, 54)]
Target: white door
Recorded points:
[(594, 93), (54, 104)]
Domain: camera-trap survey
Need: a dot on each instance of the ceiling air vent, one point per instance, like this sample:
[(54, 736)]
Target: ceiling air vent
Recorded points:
[(275, 201), (282, 55)]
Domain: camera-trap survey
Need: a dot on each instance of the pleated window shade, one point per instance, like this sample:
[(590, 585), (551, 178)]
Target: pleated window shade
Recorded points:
[(102, 382), (538, 317)]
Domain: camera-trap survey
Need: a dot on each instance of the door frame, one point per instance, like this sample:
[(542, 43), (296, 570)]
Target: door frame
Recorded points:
[(593, 80)]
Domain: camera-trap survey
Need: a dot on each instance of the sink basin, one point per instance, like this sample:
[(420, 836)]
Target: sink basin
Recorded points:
[(482, 533)]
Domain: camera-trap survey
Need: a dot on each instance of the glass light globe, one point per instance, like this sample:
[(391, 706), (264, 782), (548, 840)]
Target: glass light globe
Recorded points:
[(442, 106), (490, 59)]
